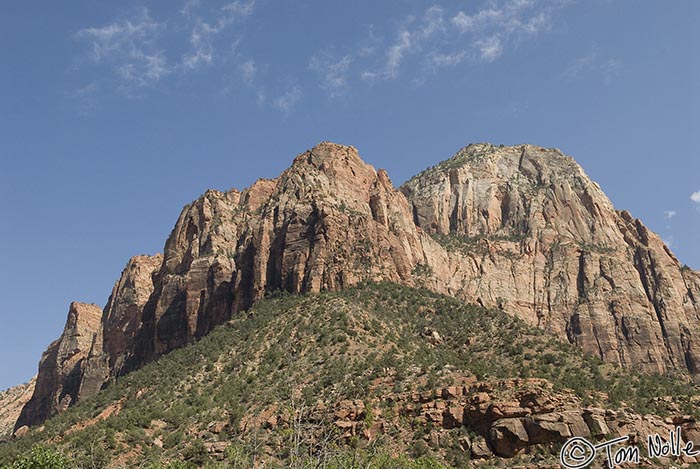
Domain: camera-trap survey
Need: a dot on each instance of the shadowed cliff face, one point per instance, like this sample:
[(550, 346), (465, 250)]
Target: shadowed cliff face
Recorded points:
[(12, 401), (65, 371), (519, 228)]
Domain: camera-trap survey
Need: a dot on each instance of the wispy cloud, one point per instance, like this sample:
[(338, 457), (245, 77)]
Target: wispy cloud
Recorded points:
[(695, 197), (288, 100), (142, 51), (205, 33), (502, 24), (129, 47), (188, 7), (448, 59), (240, 9), (333, 72), (198, 35), (410, 39), (490, 48), (594, 64), (440, 39), (394, 56), (668, 214), (248, 70)]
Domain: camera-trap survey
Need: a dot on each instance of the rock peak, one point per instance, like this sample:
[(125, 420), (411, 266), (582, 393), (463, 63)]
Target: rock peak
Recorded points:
[(327, 154), (65, 369)]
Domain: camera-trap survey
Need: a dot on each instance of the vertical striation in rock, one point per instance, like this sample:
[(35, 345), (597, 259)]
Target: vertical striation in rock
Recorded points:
[(12, 401), (64, 374), (123, 316), (527, 231), (327, 222)]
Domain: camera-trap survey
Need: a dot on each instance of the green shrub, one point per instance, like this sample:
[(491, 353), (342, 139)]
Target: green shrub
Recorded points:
[(41, 457)]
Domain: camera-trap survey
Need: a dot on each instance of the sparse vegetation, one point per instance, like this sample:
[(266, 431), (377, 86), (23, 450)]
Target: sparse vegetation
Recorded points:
[(476, 244), (597, 248), (291, 352)]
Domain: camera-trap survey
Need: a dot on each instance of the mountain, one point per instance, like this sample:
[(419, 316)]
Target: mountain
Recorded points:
[(12, 401), (518, 228), (528, 231), (375, 376)]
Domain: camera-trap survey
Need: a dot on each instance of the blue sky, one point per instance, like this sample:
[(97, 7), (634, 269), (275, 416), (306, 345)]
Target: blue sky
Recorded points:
[(113, 115)]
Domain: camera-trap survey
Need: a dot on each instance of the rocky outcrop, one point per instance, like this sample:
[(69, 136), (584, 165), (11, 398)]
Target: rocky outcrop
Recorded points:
[(122, 320), (11, 403), (518, 228), (291, 233), (485, 419), (65, 371), (93, 346), (527, 231)]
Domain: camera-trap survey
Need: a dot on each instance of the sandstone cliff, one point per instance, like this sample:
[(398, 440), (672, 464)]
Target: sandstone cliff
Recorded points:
[(11, 403), (65, 374), (527, 231), (519, 228)]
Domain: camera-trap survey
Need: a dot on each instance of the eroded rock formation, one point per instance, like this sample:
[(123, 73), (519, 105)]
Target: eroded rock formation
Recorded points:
[(65, 370), (527, 231), (11, 403), (520, 228)]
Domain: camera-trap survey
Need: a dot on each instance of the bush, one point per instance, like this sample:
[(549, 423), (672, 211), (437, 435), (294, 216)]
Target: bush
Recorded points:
[(41, 457)]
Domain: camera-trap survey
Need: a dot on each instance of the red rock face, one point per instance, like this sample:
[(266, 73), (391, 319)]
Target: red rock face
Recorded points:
[(543, 242), (123, 315), (327, 222), (65, 375), (538, 239), (12, 401)]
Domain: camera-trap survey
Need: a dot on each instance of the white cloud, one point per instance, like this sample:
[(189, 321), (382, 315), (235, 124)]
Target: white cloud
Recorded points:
[(142, 51), (484, 34), (396, 53), (490, 48), (120, 36), (438, 59), (410, 40), (147, 68), (504, 23), (240, 9), (669, 214), (129, 47), (479, 20), (205, 33), (287, 101), (433, 21), (695, 197), (188, 7), (248, 71), (333, 72), (202, 50)]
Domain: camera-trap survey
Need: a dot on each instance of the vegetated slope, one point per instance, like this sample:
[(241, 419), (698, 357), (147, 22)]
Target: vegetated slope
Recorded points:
[(359, 375)]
